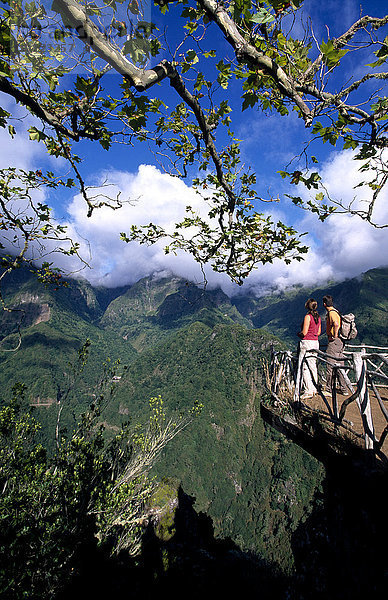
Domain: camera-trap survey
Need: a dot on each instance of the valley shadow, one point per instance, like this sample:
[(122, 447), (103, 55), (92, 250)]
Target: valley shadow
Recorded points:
[(338, 550), (193, 563), (196, 564), (338, 553), (37, 338)]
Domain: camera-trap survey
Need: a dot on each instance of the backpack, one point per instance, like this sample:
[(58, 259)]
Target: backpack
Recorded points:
[(348, 329)]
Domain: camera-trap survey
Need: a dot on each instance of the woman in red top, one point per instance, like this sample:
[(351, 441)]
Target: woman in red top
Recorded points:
[(310, 330)]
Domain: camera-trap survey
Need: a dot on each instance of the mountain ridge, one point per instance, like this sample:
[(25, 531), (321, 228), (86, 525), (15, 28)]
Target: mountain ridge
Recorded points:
[(155, 307)]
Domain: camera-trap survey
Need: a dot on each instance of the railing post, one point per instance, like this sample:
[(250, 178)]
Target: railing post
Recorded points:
[(363, 398), (272, 370), (289, 370), (334, 392), (277, 373)]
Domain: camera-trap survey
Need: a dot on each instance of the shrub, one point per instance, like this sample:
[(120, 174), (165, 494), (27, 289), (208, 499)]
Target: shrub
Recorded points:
[(90, 492)]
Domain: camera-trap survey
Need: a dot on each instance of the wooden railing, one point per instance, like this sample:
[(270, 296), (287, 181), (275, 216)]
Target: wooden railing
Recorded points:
[(365, 370)]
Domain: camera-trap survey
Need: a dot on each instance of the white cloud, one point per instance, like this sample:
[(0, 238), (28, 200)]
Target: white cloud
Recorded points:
[(24, 154), (341, 247), (162, 199), (152, 197), (351, 244), (21, 152)]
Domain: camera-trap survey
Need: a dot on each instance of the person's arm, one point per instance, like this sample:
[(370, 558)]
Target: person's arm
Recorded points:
[(336, 326), (320, 328), (333, 324), (306, 324)]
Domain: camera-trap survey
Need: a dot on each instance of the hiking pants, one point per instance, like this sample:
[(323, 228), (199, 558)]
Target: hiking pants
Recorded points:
[(309, 364), (335, 349)]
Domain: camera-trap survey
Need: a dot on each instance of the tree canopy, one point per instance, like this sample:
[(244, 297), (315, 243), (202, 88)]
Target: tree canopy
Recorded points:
[(215, 57)]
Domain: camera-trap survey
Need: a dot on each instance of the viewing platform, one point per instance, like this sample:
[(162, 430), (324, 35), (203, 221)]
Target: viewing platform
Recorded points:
[(355, 424)]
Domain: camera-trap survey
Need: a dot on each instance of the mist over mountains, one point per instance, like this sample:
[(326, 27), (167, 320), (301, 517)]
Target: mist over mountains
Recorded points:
[(151, 309)]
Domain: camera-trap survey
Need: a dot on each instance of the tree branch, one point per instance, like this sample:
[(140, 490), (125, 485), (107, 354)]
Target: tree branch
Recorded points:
[(376, 23), (36, 108), (245, 52), (74, 15), (343, 39), (178, 84)]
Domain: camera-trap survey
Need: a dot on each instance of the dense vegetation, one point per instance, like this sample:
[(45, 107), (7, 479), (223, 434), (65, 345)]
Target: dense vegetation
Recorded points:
[(248, 485), (255, 486), (56, 512)]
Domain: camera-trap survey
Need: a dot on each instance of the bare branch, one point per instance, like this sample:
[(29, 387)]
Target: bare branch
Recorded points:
[(375, 22), (36, 108)]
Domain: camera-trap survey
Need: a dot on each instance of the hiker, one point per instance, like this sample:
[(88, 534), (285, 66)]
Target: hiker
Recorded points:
[(335, 345), (310, 330)]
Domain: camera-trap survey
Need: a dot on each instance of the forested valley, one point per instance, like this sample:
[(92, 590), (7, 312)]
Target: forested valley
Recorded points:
[(228, 503), (237, 141)]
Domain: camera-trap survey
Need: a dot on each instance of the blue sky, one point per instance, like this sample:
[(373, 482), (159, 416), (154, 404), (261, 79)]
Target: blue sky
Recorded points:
[(342, 247)]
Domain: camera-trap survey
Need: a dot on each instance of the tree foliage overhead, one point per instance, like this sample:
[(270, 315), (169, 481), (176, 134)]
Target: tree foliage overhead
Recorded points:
[(56, 61)]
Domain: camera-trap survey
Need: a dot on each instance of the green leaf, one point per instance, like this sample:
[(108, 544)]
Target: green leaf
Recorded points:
[(36, 134), (192, 57), (382, 54), (250, 99), (262, 16), (331, 55), (4, 69)]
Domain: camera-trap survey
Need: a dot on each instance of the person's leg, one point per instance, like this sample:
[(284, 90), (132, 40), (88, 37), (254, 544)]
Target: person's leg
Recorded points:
[(314, 368), (341, 379), (301, 364), (335, 349), (310, 368), (330, 350)]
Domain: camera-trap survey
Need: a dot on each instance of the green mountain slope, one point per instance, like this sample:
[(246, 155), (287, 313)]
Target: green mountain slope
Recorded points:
[(153, 308), (53, 325), (195, 346), (254, 484), (187, 344)]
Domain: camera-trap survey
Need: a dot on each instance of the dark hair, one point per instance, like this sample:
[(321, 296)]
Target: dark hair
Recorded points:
[(311, 306), (328, 300)]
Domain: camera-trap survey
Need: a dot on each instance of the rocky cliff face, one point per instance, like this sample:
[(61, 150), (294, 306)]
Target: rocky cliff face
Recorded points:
[(35, 309), (28, 311)]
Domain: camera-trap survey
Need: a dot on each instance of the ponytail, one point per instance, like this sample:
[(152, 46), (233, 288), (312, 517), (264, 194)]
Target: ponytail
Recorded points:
[(312, 306)]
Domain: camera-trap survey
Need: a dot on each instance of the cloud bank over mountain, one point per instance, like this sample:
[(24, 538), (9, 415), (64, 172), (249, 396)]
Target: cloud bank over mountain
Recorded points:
[(341, 247)]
